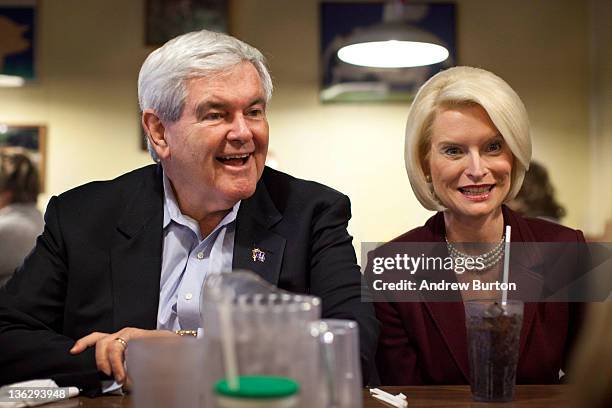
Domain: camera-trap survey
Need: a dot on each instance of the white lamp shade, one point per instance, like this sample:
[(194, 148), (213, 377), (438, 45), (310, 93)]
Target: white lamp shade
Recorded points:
[(392, 45), (393, 54), (11, 81)]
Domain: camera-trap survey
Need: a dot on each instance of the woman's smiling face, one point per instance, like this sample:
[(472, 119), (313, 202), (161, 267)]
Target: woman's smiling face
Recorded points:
[(469, 162)]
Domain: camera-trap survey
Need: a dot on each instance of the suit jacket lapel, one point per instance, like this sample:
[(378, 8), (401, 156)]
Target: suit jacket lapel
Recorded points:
[(256, 216), (136, 254), (524, 265), (449, 317)]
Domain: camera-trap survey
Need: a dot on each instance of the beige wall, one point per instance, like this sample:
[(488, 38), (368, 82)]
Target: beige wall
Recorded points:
[(540, 48), (89, 56), (91, 51), (600, 124)]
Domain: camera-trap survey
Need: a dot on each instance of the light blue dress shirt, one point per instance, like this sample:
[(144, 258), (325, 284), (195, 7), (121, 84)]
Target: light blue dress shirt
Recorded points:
[(187, 258)]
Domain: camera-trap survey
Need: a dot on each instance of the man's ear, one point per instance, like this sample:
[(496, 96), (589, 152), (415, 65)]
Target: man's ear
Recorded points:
[(156, 133)]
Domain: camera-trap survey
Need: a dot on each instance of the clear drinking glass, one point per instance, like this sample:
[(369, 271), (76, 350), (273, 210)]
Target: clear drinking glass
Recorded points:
[(340, 365)]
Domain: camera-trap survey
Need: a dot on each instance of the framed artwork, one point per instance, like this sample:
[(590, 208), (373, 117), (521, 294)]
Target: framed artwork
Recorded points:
[(18, 39), (32, 138), (342, 21), (165, 19)]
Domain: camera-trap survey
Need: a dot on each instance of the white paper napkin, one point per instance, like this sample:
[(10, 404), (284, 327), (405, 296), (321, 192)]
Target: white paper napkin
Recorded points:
[(9, 399)]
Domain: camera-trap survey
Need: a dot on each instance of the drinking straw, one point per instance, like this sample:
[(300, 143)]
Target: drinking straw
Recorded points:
[(506, 266), (227, 342), (395, 400)]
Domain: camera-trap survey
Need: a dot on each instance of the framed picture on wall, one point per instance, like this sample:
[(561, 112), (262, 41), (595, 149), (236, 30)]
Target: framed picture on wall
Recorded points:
[(31, 138), (165, 19), (18, 39), (346, 23)]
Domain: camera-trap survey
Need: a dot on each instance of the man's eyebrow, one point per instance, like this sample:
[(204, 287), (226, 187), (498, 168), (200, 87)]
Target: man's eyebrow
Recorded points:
[(258, 101), (204, 106), (201, 108)]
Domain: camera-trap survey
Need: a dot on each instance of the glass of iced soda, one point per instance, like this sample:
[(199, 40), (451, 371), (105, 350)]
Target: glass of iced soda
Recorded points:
[(493, 331)]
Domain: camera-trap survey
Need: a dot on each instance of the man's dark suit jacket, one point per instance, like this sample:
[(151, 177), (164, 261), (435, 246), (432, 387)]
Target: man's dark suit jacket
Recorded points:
[(97, 266), (426, 342)]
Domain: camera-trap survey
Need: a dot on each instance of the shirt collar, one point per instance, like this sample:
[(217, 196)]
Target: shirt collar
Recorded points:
[(172, 212)]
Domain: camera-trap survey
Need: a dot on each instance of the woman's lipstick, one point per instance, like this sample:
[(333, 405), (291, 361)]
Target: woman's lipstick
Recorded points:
[(477, 193)]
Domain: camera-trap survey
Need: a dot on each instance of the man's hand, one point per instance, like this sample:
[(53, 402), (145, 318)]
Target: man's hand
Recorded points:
[(110, 352)]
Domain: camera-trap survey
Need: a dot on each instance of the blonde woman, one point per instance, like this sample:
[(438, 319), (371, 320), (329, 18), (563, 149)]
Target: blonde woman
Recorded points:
[(467, 149)]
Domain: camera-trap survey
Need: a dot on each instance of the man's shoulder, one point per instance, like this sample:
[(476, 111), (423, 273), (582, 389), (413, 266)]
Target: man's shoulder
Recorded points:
[(282, 186), (116, 188)]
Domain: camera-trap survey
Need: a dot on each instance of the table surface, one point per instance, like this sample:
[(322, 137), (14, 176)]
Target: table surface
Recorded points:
[(532, 396)]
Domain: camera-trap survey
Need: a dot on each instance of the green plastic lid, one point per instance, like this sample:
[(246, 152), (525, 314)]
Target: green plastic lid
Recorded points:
[(259, 387)]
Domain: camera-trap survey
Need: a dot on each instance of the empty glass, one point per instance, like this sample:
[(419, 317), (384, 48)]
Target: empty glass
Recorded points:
[(338, 343)]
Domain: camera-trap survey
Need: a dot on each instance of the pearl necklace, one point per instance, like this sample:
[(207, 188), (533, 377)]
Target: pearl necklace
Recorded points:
[(489, 259)]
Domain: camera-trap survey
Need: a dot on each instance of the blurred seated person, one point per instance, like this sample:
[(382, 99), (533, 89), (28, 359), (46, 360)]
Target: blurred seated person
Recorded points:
[(537, 196), (467, 148), (20, 220)]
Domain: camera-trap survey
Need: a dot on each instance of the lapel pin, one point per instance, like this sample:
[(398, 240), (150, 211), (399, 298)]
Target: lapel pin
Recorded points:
[(258, 255)]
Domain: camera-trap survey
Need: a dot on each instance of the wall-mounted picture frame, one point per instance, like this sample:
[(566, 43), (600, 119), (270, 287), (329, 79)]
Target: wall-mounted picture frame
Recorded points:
[(342, 22), (32, 138), (166, 19), (18, 39)]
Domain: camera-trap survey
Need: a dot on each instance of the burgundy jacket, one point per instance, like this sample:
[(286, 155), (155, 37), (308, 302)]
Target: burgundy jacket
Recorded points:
[(425, 342)]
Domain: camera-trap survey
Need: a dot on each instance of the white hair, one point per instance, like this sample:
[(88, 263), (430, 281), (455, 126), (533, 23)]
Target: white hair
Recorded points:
[(161, 82), (461, 86)]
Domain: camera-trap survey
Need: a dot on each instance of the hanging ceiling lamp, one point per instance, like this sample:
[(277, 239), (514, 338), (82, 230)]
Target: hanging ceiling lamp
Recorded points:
[(395, 43), (11, 81)]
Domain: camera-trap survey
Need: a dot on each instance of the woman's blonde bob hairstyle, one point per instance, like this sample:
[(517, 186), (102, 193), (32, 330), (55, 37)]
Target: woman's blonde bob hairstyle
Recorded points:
[(465, 86)]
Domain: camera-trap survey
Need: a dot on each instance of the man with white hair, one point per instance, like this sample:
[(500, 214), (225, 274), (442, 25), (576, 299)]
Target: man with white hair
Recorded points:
[(125, 259)]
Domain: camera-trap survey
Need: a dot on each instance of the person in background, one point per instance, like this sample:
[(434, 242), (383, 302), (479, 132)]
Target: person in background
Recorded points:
[(537, 196), (592, 362), (20, 221), (125, 259), (467, 149)]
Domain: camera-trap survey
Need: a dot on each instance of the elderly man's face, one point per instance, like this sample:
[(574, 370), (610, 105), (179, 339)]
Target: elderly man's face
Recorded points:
[(217, 149)]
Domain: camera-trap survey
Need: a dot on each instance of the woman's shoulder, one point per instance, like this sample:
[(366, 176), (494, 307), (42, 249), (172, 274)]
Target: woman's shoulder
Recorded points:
[(431, 231), (423, 234), (419, 234), (549, 231)]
